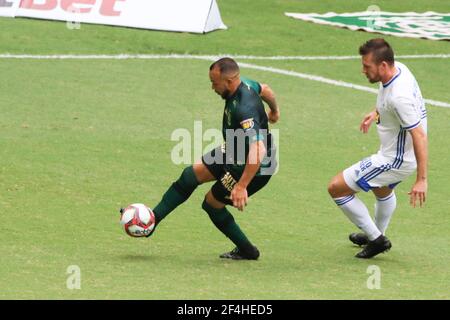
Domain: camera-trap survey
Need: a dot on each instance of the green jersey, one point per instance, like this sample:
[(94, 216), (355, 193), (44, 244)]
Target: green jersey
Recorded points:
[(245, 122)]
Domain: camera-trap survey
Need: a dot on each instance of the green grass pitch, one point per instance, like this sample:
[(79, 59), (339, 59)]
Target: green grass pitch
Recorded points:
[(80, 138)]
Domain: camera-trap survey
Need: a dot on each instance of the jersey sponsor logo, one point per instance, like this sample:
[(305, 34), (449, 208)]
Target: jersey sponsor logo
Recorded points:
[(228, 181), (247, 124)]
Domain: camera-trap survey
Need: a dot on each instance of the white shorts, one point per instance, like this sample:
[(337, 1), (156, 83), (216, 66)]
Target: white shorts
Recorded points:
[(376, 171)]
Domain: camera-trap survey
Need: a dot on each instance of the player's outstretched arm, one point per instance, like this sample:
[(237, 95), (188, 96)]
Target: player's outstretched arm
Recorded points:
[(420, 187), (268, 96), (367, 121)]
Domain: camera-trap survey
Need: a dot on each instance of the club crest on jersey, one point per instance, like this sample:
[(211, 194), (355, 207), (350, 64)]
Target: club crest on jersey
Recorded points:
[(247, 124)]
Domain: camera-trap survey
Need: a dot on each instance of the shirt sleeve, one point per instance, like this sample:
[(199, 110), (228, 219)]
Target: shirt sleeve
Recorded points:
[(252, 84), (406, 112), (251, 123)]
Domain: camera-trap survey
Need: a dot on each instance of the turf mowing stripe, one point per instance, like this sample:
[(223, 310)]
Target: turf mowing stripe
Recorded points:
[(245, 65)]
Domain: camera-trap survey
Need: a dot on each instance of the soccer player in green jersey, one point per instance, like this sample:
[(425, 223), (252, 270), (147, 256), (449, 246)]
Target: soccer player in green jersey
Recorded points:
[(241, 166)]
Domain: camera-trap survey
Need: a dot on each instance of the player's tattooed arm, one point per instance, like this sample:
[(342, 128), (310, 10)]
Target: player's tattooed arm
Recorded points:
[(268, 96)]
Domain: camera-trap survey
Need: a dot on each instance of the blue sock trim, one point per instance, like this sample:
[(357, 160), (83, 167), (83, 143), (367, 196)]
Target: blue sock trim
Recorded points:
[(386, 198), (344, 200)]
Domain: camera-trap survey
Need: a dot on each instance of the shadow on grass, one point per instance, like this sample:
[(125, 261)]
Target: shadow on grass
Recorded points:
[(138, 258)]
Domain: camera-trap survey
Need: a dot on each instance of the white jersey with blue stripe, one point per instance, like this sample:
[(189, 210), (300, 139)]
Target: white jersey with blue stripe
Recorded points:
[(400, 108)]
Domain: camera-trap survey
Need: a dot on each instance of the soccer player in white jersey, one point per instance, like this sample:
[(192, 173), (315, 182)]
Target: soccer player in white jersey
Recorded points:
[(401, 120)]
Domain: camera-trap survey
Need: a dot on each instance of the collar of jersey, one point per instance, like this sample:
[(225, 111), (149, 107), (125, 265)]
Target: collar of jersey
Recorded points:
[(393, 78), (236, 92)]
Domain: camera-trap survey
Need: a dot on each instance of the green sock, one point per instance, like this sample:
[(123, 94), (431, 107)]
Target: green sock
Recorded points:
[(224, 221), (178, 193)]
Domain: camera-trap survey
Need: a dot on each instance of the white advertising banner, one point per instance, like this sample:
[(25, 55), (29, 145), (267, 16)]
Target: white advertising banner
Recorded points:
[(197, 16), (8, 8), (427, 25)]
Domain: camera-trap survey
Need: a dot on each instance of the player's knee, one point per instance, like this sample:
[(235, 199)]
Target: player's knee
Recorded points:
[(207, 200), (211, 201), (220, 218), (337, 187), (202, 173), (333, 186)]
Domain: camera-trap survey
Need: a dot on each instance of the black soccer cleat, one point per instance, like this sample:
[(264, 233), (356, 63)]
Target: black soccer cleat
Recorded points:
[(379, 245), (237, 254), (154, 228), (360, 239)]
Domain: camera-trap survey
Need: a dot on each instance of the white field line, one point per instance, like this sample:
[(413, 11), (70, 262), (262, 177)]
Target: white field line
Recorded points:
[(107, 57), (330, 81), (412, 56), (209, 57), (245, 65)]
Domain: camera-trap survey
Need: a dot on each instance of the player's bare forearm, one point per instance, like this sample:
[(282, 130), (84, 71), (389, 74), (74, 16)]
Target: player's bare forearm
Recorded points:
[(254, 159), (420, 143), (239, 194), (367, 121), (268, 96)]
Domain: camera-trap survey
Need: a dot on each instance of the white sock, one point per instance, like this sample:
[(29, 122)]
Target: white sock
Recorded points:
[(384, 209), (358, 213)]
